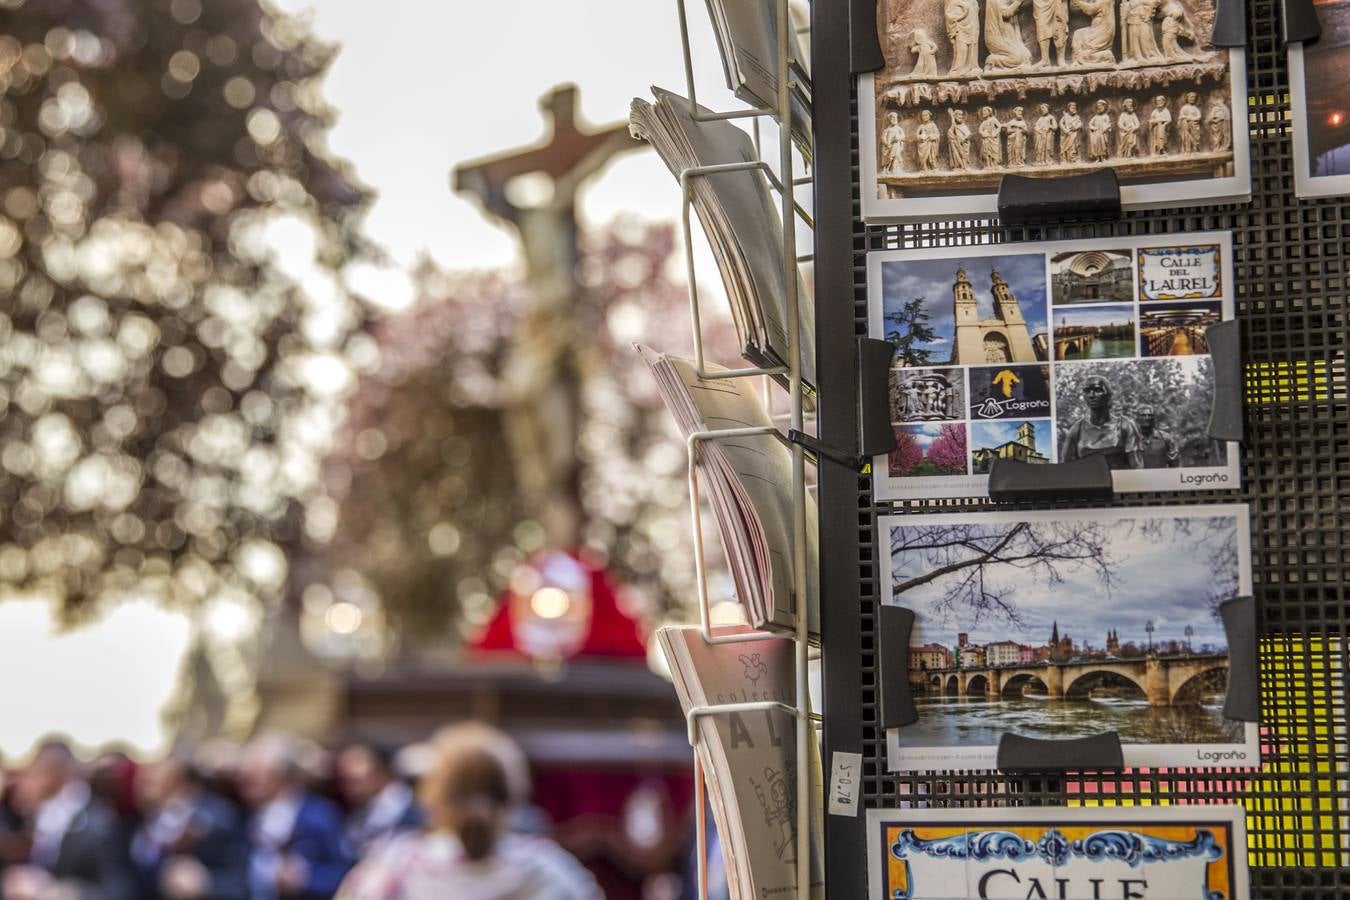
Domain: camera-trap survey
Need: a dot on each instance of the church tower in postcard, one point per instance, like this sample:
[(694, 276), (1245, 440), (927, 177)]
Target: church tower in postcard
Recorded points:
[(1001, 339)]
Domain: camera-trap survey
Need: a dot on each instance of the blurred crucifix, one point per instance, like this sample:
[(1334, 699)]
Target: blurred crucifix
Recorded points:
[(534, 190)]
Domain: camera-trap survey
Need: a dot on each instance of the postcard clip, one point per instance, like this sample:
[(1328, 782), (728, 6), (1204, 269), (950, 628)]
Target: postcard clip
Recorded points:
[(1230, 24), (895, 623), (824, 451), (1100, 752), (1301, 24), (1023, 200), (864, 46), (1225, 349), (1243, 698), (876, 436), (1088, 478)]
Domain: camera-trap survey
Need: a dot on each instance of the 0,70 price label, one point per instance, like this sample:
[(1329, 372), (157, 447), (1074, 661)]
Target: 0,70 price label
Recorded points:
[(845, 779)]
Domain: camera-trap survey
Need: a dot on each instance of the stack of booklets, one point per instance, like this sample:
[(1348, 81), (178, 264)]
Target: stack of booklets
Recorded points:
[(750, 758), (748, 482), (747, 38), (739, 214)]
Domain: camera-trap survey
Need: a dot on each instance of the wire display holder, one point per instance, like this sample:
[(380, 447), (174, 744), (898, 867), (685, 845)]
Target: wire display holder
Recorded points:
[(784, 182)]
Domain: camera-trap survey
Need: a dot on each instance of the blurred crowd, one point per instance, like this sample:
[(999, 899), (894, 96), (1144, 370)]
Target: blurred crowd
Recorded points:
[(279, 818)]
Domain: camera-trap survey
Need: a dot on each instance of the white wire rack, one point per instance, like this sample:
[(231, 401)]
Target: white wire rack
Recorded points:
[(784, 182)]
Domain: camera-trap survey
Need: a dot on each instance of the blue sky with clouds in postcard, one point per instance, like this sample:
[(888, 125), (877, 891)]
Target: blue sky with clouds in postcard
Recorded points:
[(1167, 580), (931, 279)]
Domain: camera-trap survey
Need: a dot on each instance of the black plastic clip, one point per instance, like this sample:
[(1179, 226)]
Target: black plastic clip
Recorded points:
[(1023, 200), (864, 53), (1230, 24), (1088, 478), (1100, 752), (1243, 699), (1301, 24), (875, 434), (1225, 349), (894, 625), (819, 450)]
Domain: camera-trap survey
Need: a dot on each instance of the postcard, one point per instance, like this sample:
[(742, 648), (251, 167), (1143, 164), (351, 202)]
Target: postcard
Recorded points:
[(1048, 352), (1067, 624), (972, 91), (1079, 853), (1322, 116)]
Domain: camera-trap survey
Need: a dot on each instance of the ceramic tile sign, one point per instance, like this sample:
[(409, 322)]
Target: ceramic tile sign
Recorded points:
[(1048, 352), (1098, 853), (1067, 624)]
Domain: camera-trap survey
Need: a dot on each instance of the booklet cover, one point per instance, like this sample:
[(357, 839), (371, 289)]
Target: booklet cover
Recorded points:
[(749, 758), (972, 91), (1048, 352), (1067, 624), (1085, 853)]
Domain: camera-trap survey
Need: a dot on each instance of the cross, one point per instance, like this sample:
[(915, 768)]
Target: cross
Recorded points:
[(568, 157), (542, 372)]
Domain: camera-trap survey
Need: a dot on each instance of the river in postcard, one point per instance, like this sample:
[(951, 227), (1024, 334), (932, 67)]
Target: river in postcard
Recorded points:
[(971, 722)]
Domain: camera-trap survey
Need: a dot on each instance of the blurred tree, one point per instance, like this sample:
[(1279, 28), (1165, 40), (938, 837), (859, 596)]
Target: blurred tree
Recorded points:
[(168, 379), (431, 519)]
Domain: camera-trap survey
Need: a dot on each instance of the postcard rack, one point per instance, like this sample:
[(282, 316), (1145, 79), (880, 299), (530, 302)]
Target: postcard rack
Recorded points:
[(779, 172), (1290, 260)]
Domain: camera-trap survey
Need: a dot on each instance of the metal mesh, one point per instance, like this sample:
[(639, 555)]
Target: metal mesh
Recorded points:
[(1291, 264)]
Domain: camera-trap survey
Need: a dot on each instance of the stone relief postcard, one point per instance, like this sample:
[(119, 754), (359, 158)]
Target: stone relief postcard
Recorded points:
[(973, 90), (1322, 116), (1083, 853), (1048, 352), (1066, 624)]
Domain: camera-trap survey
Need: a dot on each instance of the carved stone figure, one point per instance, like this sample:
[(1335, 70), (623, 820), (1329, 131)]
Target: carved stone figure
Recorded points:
[(1092, 45), (1052, 27), (1127, 131), (958, 141), (1003, 36), (1220, 127), (1099, 133), (1017, 138), (1188, 124), (991, 139), (929, 137), (925, 48), (963, 29), (892, 145), (1175, 24), (1043, 152), (1159, 122), (1070, 129), (1139, 42)]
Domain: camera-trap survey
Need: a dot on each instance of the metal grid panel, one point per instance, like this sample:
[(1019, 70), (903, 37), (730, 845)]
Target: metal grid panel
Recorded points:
[(1291, 263)]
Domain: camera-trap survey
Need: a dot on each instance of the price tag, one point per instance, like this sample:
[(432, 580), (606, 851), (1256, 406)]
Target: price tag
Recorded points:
[(845, 779)]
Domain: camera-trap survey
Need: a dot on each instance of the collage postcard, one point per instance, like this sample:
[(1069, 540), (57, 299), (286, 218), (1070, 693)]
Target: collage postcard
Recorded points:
[(1050, 352)]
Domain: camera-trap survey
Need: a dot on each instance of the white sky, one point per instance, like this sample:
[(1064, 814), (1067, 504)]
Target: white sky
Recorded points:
[(419, 86)]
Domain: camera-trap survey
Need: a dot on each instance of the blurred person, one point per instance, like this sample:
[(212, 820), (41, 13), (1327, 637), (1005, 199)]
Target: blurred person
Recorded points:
[(79, 849), (298, 848), (112, 778), (382, 805), (191, 845), (467, 852)]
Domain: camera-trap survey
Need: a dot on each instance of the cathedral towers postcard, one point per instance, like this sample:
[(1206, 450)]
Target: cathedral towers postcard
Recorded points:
[(1049, 352)]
